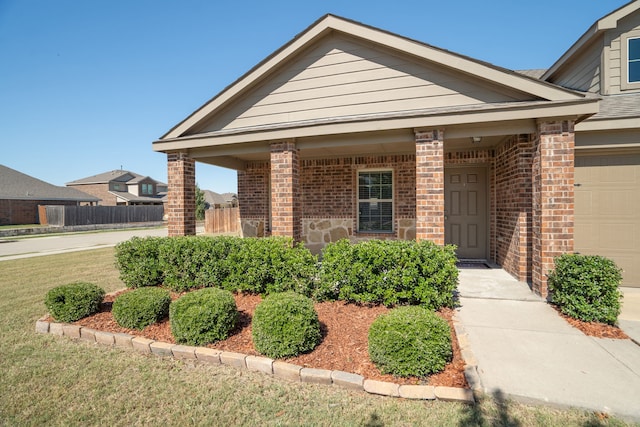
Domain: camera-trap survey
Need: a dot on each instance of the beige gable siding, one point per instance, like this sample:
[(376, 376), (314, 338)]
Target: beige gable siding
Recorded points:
[(616, 61), (341, 77), (584, 73)]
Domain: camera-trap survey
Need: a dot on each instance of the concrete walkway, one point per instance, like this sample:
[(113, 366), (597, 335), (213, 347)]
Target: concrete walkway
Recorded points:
[(524, 350)]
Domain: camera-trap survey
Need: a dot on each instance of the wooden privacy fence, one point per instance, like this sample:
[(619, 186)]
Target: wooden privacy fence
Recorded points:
[(225, 220), (88, 215)]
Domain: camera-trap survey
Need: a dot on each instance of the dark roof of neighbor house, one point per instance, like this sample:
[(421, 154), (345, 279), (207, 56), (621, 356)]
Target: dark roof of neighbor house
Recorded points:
[(19, 186), (118, 175), (139, 199), (214, 198)]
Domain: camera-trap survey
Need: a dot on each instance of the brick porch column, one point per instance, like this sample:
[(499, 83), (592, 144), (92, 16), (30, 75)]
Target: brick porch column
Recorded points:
[(285, 190), (553, 198), (430, 186), (181, 204)]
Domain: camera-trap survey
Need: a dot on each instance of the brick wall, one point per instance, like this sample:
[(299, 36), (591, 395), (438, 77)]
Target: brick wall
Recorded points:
[(513, 192), (553, 198), (15, 212), (181, 204), (253, 191), (98, 190), (430, 186)]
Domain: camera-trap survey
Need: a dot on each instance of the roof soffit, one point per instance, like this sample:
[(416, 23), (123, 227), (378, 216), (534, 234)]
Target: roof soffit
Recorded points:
[(483, 73)]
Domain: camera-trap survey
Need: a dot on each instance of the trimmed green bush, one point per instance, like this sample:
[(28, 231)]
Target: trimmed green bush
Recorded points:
[(141, 307), (585, 287), (203, 316), (389, 272), (285, 324), (410, 341), (270, 265), (138, 261), (68, 303)]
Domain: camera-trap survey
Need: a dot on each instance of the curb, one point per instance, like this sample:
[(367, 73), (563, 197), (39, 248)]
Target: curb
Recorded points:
[(471, 364), (278, 369)]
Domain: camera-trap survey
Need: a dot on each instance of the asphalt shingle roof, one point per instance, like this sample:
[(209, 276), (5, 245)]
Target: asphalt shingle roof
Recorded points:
[(17, 185)]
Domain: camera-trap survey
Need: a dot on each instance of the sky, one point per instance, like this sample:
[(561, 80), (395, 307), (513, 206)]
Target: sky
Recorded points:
[(87, 86)]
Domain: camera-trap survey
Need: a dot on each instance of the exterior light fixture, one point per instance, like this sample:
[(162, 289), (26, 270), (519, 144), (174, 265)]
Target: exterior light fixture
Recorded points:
[(476, 139)]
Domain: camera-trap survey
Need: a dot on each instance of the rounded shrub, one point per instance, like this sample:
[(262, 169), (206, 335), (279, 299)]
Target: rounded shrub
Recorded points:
[(68, 303), (137, 259), (141, 307), (585, 287), (203, 316), (410, 341), (285, 324)]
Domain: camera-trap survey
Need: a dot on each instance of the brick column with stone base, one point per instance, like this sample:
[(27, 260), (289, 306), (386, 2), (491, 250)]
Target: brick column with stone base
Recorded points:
[(553, 198), (285, 190), (430, 186), (181, 206)]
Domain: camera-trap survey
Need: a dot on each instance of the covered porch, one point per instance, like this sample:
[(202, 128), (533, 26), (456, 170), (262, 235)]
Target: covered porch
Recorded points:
[(352, 132)]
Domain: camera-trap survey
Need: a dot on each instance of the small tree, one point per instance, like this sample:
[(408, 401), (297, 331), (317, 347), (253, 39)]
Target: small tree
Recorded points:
[(201, 205)]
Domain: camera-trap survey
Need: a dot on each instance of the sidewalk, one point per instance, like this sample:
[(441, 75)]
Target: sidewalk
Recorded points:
[(526, 351)]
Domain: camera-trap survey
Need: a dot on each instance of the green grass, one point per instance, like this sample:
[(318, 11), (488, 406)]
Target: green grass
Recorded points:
[(55, 381)]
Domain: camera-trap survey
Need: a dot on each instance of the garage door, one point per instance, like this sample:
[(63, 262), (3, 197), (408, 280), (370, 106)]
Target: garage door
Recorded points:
[(607, 210)]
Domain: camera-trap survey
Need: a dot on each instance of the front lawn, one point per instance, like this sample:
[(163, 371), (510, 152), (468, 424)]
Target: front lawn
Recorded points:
[(51, 380)]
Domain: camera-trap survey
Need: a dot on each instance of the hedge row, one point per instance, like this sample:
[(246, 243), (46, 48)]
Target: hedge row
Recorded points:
[(259, 266), (373, 272)]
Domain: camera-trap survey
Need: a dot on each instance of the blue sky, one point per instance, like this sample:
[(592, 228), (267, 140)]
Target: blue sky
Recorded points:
[(87, 86)]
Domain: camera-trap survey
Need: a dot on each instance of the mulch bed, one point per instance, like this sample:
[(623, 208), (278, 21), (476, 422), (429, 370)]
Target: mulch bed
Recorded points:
[(343, 348), (594, 329)]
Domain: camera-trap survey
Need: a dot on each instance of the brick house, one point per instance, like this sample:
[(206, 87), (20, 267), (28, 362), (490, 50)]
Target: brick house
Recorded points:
[(122, 188), (349, 131), (21, 194)]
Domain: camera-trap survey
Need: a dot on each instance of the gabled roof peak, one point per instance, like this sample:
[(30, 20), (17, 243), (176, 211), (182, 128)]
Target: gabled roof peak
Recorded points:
[(329, 23), (607, 22)]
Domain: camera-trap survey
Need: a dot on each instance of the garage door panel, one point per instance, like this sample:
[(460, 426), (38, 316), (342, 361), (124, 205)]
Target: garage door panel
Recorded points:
[(607, 210)]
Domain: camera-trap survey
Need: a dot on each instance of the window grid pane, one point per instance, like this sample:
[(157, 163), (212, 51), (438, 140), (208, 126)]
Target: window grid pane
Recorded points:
[(633, 74), (376, 201)]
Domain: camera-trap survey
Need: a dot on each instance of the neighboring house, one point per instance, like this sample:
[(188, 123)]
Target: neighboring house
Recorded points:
[(121, 187), (21, 194), (215, 200), (352, 132)]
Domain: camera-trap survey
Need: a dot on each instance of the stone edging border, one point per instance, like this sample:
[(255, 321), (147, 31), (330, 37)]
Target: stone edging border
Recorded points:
[(276, 368)]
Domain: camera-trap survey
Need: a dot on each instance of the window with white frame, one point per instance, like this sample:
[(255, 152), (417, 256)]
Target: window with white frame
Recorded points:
[(633, 58), (375, 201)]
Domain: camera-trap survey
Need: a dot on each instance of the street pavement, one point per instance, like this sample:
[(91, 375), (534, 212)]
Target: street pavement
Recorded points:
[(524, 350), (25, 247)]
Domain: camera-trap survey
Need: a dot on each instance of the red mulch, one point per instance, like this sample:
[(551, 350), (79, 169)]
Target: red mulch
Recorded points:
[(594, 329), (343, 348)]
